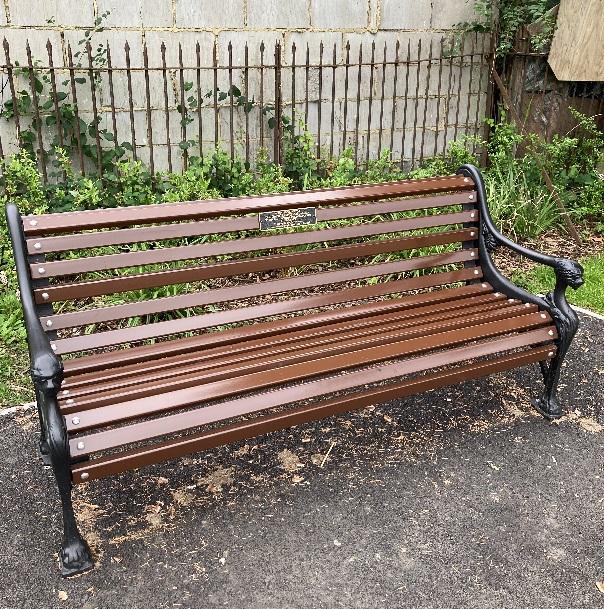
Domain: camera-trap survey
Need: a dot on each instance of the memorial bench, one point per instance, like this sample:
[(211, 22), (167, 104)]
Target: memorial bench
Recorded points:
[(161, 330)]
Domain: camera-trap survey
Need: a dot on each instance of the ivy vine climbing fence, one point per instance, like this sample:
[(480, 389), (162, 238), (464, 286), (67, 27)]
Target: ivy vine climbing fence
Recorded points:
[(167, 105)]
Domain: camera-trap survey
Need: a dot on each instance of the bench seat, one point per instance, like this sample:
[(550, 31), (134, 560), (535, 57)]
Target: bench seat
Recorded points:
[(404, 335)]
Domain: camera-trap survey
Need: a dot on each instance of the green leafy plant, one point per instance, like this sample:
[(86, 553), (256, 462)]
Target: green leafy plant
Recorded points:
[(58, 111), (510, 16)]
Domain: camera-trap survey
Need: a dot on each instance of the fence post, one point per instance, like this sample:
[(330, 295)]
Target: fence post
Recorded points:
[(278, 105), (489, 105)]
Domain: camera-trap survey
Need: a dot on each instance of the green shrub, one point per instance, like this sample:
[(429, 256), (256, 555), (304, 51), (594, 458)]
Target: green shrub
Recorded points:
[(129, 184), (382, 169), (343, 171), (227, 177), (22, 185), (193, 184), (268, 177), (300, 162)]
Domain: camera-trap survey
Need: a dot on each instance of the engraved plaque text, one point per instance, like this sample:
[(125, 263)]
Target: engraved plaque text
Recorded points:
[(283, 218)]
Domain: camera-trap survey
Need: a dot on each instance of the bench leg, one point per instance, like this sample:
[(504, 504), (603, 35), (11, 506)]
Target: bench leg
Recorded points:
[(75, 554), (567, 324), (548, 404), (44, 449)]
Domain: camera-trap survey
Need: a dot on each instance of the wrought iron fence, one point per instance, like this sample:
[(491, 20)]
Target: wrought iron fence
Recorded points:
[(165, 105)]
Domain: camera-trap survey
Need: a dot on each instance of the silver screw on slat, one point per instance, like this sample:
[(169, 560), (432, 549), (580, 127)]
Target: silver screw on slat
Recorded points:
[(472, 234), (84, 476), (75, 420), (543, 316), (476, 272), (65, 391), (45, 296), (527, 304), (37, 246), (49, 323), (550, 354), (470, 197), (53, 347), (33, 222), (484, 285), (70, 401), (41, 270), (472, 254), (551, 332), (511, 300), (472, 215), (466, 179), (80, 445), (496, 294)]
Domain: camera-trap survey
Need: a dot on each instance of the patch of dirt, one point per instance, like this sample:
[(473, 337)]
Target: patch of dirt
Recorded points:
[(183, 497), (552, 243), (586, 423), (215, 480), (290, 462), (88, 515)]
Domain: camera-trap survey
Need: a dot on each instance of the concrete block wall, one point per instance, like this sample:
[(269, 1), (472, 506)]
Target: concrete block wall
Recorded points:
[(339, 24)]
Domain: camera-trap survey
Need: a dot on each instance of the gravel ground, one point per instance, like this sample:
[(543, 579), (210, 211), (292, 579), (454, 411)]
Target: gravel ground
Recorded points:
[(462, 497)]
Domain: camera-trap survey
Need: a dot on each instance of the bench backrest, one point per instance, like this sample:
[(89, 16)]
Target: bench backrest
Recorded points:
[(119, 276)]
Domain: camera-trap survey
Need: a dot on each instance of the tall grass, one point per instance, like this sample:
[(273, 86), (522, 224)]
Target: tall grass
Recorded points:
[(519, 209)]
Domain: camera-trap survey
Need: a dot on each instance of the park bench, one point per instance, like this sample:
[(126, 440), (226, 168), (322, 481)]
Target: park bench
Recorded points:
[(161, 330)]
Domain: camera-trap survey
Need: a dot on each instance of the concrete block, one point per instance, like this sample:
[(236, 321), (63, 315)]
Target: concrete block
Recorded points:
[(38, 13), (37, 41), (207, 14), (313, 40), (343, 14), (253, 40), (271, 14), (137, 13), (446, 14), (406, 15), (8, 133), (188, 41)]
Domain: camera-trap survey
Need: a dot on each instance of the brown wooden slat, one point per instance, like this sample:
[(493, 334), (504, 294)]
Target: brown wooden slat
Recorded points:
[(92, 382), (122, 216), (236, 246), (284, 355), (189, 324), (88, 289), (109, 361), (251, 404), (240, 292), (132, 409), (66, 243)]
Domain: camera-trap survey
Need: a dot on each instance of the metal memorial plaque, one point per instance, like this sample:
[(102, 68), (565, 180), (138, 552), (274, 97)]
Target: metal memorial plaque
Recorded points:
[(283, 218)]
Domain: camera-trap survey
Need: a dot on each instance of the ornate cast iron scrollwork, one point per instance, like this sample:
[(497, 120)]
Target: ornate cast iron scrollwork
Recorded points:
[(490, 240), (568, 274), (47, 375)]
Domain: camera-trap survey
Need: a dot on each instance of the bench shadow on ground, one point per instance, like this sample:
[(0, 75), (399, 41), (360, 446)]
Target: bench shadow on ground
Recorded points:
[(359, 510)]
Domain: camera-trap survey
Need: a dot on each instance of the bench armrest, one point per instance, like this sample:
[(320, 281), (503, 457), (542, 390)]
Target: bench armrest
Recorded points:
[(46, 368), (568, 272)]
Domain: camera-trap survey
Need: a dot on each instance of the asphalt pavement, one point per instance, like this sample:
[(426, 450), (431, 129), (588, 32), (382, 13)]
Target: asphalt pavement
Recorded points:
[(459, 498)]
